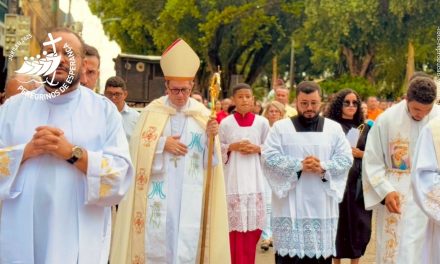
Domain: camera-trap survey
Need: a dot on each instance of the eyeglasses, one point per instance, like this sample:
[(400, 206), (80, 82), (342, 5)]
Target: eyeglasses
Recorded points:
[(184, 91), (116, 95), (306, 104), (349, 103)]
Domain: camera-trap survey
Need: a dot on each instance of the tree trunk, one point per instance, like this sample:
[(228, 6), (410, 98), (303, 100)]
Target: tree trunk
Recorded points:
[(274, 71), (358, 66), (409, 65), (366, 61), (214, 48), (261, 57), (348, 53)]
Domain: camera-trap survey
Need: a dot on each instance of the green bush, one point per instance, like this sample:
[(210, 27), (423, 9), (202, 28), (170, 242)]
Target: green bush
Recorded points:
[(361, 85)]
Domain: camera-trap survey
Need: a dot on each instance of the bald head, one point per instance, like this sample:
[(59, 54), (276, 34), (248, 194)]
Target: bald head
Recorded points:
[(28, 82)]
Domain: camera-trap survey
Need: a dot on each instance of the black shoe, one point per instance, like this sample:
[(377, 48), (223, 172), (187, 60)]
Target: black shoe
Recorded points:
[(265, 245)]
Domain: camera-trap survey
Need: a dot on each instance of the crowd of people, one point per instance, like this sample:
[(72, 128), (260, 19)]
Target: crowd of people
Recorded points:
[(84, 178)]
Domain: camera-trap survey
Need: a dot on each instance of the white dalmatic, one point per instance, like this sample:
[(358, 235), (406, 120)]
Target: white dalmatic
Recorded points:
[(305, 208), (386, 168), (175, 195), (243, 174), (52, 212), (426, 186)]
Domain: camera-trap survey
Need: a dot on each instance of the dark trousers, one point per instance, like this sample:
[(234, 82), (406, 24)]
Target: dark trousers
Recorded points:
[(296, 260)]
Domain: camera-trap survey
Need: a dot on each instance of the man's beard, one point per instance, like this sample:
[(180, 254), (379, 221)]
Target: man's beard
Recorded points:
[(59, 82), (301, 114)]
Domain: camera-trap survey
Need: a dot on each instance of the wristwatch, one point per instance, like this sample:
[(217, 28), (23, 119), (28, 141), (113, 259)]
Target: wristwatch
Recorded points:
[(77, 153)]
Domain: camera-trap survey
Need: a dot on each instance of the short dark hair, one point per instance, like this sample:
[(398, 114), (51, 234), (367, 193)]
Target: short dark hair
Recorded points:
[(308, 87), (67, 30), (240, 86), (419, 74), (422, 90), (115, 81), (92, 52)]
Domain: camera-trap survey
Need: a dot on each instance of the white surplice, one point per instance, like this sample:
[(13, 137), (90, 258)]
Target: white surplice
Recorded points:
[(243, 174), (305, 209), (425, 175), (175, 194), (386, 168), (53, 213)]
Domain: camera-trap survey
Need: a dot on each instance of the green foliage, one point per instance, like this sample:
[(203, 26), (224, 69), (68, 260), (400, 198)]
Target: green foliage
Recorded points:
[(240, 36), (362, 86), (337, 38), (259, 92), (126, 22)]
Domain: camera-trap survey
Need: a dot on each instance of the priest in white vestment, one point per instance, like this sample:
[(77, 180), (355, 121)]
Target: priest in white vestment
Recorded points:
[(425, 175), (306, 159), (160, 220), (386, 174), (63, 160)]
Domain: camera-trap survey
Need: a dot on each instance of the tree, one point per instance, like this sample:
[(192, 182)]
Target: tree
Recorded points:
[(126, 22), (377, 40), (414, 24), (371, 39), (342, 32), (239, 36)]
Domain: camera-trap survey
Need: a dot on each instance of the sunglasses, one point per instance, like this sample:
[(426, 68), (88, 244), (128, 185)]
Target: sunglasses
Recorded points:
[(349, 103)]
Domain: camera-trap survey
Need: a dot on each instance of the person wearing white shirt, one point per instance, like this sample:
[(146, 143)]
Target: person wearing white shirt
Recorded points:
[(116, 91)]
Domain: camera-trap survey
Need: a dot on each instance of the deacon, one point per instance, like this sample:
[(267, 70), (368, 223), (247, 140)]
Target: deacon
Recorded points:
[(160, 220), (57, 176), (306, 159), (426, 187), (386, 177)]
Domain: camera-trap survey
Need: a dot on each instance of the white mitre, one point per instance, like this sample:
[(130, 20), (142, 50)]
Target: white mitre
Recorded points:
[(179, 62)]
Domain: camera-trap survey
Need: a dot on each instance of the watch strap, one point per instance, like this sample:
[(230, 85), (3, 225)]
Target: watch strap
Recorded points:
[(72, 160)]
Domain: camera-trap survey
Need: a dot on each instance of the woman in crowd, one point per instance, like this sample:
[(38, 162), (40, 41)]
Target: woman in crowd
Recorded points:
[(274, 111), (354, 227)]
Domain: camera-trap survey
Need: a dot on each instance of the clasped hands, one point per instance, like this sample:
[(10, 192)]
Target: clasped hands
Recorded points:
[(312, 164), (48, 140), (244, 147)]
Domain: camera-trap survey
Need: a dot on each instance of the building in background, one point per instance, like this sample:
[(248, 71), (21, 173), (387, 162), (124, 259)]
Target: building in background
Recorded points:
[(3, 11)]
